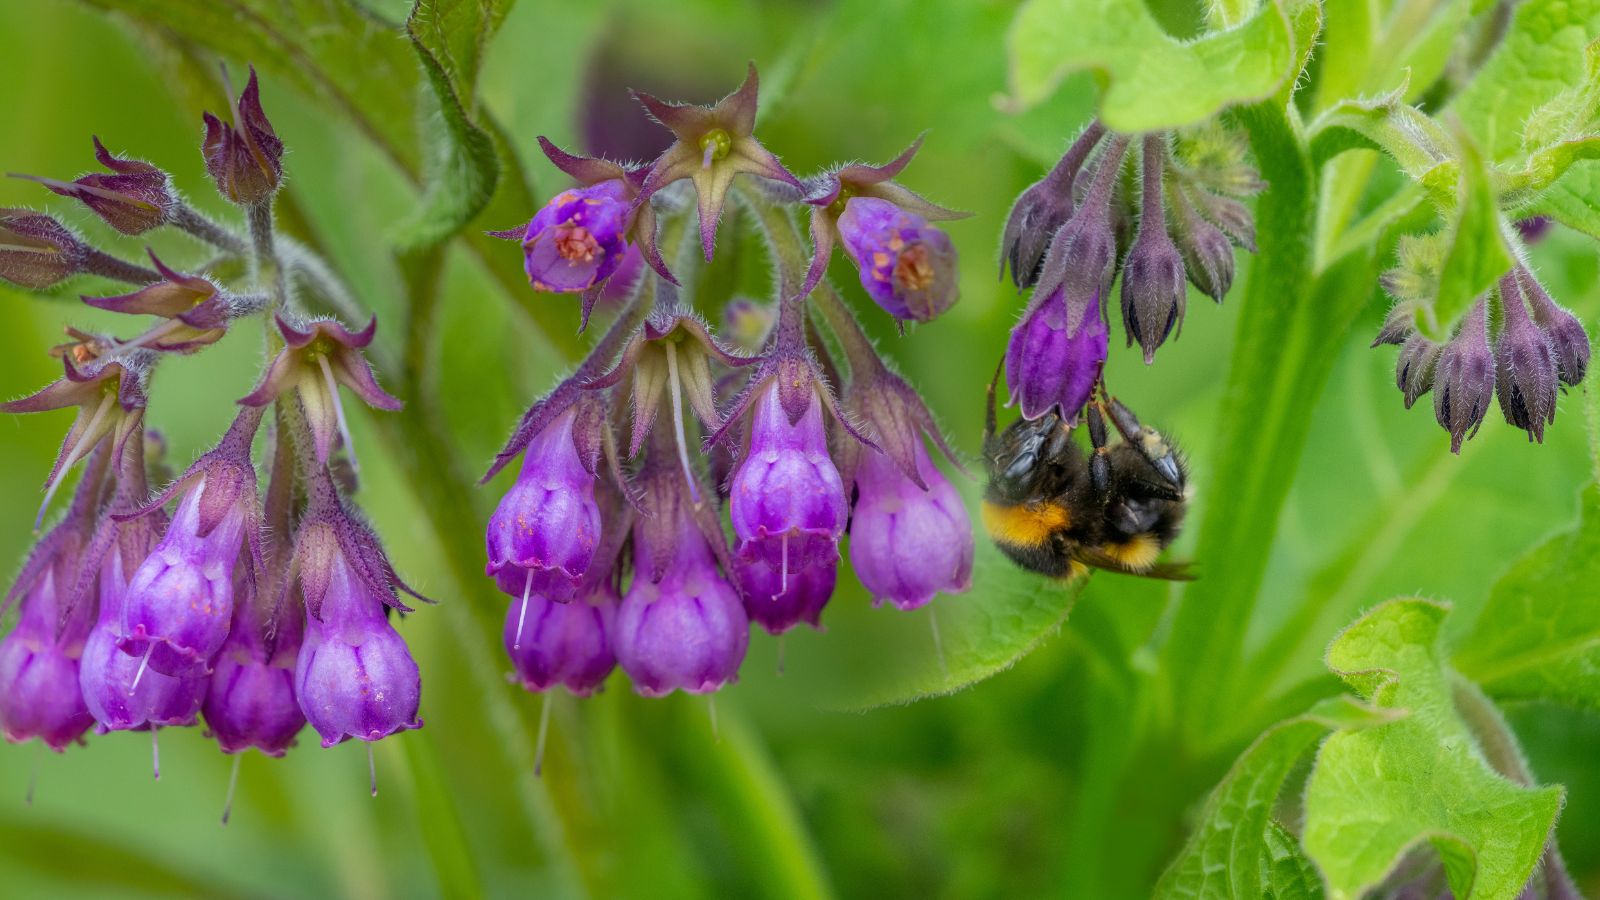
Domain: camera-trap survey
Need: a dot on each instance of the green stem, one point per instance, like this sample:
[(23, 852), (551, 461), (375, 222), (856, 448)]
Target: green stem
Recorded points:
[(200, 226), (264, 252)]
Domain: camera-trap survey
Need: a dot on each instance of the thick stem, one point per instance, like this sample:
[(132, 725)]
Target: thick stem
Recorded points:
[(264, 253), (105, 265), (1151, 208), (188, 219)]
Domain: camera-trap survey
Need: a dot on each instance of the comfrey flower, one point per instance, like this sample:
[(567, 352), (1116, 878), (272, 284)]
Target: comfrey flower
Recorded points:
[(1463, 377), (1051, 365), (567, 644), (1153, 292), (779, 601), (354, 676), (1525, 366), (36, 251), (39, 659), (907, 266), (244, 158), (317, 357), (133, 199), (681, 625), (110, 395), (909, 542), (251, 699), (196, 311), (180, 601), (714, 145), (1041, 210)]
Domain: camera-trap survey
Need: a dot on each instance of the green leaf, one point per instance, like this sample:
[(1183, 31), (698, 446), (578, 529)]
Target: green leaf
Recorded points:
[(1574, 200), (1377, 793), (982, 633), (1289, 875), (1542, 54), (1154, 80), (464, 165), (1477, 254), (1388, 122), (1539, 634), (1231, 854)]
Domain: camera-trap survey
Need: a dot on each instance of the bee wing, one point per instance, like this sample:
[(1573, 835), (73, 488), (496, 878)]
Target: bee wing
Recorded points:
[(1164, 571)]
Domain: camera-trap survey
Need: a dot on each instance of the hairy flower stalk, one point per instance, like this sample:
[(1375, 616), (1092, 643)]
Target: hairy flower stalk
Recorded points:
[(1041, 210)]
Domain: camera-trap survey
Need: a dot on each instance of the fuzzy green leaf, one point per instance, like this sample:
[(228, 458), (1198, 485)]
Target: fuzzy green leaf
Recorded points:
[(1154, 80), (1288, 874), (1539, 634), (1477, 254), (1232, 853), (464, 166), (1377, 793), (1574, 201)]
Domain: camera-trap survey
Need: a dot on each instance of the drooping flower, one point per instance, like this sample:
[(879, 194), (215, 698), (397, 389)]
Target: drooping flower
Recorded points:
[(1053, 363), (1207, 252), (1569, 340), (196, 311), (907, 266), (354, 676), (908, 542), (110, 396), (317, 357), (1083, 254), (1464, 377), (1153, 290), (1525, 366), (576, 241), (714, 145), (244, 158), (1041, 210), (544, 531), (251, 701), (567, 644), (1416, 366), (133, 199), (778, 602)]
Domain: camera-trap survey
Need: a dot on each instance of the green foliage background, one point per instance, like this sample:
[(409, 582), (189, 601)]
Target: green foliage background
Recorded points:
[(1047, 779)]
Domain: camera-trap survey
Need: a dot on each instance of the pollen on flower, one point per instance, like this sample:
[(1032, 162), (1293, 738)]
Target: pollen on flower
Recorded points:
[(912, 270), (576, 244)]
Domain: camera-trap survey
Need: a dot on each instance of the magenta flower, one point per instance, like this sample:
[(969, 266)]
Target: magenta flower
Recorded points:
[(1053, 363), (568, 643), (39, 694), (907, 266), (787, 501), (577, 241), (779, 602), (251, 701), (908, 542)]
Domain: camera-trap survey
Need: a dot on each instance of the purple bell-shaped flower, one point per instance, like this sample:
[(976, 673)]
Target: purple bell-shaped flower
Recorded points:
[(908, 542)]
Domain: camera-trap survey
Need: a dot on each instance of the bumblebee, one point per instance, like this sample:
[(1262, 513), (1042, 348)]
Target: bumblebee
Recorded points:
[(1055, 511)]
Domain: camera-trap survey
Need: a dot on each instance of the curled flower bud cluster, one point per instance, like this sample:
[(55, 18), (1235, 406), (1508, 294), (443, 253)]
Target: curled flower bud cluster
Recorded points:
[(1071, 234), (1514, 345), (255, 607), (612, 547)]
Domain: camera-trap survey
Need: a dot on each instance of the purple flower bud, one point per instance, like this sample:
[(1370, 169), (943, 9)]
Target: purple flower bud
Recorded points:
[(354, 677), (39, 694), (1041, 210), (245, 159), (196, 312), (1083, 254), (778, 603), (1398, 326), (180, 601), (1414, 369), (1525, 379), (1051, 364), (907, 266), (543, 534), (907, 543), (576, 241), (36, 251), (133, 199), (787, 501), (1534, 229), (1153, 292), (118, 694), (1464, 377), (687, 630), (568, 643), (1568, 339)]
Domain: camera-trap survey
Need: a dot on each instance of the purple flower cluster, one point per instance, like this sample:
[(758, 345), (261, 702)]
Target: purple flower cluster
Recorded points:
[(613, 552), (1071, 234), (257, 609)]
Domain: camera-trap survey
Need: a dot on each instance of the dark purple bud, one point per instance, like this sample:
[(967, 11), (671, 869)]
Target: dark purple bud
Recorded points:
[(1041, 210), (1153, 291), (544, 532), (1083, 254), (907, 266), (685, 630), (908, 543), (317, 357), (36, 251), (576, 241), (1398, 326), (1414, 369), (1051, 364), (1207, 252), (244, 158), (1568, 338), (133, 199), (354, 676), (1228, 214), (1464, 377), (179, 604), (779, 602), (567, 644), (1525, 378), (1534, 229), (787, 501)]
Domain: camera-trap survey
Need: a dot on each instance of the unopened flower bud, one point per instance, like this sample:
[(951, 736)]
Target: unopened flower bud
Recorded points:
[(36, 251), (1464, 377), (1207, 252), (1568, 338), (1526, 366), (244, 158), (907, 266), (1414, 370), (1041, 210), (133, 199)]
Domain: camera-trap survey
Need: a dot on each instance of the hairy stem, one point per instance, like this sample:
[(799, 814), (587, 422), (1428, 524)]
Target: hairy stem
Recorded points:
[(107, 266), (188, 219)]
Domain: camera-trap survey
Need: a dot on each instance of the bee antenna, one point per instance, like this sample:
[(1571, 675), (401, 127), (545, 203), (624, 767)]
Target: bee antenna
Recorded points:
[(989, 422)]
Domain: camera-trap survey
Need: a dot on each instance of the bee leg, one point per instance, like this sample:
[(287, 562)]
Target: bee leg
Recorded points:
[(1149, 442), (1100, 462)]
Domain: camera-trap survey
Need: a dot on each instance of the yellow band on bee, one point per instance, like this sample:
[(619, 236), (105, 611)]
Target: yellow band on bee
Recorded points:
[(1026, 525)]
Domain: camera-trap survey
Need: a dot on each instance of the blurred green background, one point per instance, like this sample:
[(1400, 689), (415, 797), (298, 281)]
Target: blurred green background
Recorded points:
[(994, 791)]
